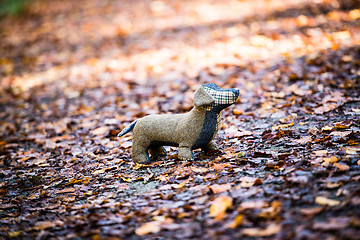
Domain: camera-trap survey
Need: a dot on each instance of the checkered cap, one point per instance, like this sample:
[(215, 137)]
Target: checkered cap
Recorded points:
[(221, 97)]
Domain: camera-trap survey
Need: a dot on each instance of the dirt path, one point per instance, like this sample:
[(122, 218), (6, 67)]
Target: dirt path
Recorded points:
[(74, 73)]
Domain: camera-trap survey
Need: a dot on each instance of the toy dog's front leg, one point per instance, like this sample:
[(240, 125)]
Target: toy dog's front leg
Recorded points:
[(211, 146), (185, 153)]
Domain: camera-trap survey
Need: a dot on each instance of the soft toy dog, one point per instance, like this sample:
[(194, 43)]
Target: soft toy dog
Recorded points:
[(188, 131)]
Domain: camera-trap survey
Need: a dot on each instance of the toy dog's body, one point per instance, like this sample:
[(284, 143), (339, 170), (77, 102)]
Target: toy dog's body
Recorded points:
[(188, 131)]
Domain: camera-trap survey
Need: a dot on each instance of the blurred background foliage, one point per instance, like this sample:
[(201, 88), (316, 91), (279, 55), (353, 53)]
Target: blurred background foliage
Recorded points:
[(13, 7)]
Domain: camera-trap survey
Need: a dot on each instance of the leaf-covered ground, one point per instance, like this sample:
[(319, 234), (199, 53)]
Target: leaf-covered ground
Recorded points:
[(74, 73)]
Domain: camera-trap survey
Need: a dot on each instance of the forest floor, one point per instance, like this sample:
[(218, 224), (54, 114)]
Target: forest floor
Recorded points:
[(74, 73)]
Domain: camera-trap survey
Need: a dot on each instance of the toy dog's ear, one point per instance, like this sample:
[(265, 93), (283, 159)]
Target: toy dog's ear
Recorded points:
[(202, 98)]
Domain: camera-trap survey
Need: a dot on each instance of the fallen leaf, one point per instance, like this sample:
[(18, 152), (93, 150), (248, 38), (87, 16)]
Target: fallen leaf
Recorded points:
[(220, 166), (260, 232), (311, 211), (341, 167), (320, 152), (126, 144), (330, 160), (243, 133), (334, 223), (122, 186), (219, 207), (44, 225), (247, 181), (15, 234), (66, 190), (303, 140), (327, 128), (154, 226), (340, 134), (199, 169), (219, 188), (99, 171), (326, 201), (236, 222), (281, 126), (180, 185), (149, 227), (252, 204), (343, 124), (100, 130), (352, 150), (238, 111), (50, 144)]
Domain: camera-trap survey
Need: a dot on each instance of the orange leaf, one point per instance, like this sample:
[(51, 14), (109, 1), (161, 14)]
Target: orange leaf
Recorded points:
[(149, 227), (220, 166), (199, 169), (66, 190), (259, 232), (100, 130), (326, 201), (236, 222), (330, 160), (44, 225), (219, 188), (341, 166), (320, 152), (219, 207)]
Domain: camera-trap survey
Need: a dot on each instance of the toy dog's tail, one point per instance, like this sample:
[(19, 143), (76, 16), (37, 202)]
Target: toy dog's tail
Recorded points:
[(127, 129)]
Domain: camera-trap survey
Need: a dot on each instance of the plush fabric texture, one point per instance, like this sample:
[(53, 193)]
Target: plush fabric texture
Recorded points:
[(188, 131)]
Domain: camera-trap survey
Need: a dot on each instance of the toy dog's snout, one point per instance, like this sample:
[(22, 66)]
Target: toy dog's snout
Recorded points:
[(222, 97)]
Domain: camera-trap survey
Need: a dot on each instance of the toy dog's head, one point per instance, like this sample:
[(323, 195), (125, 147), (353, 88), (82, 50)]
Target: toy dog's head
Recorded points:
[(213, 98)]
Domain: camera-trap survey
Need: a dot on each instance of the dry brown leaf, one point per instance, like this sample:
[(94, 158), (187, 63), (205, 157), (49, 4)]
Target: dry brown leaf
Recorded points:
[(311, 211), (99, 171), (247, 181), (340, 134), (122, 186), (341, 167), (149, 227), (219, 207), (303, 140), (320, 152), (15, 234), (220, 166), (243, 133), (154, 226), (260, 232), (44, 225), (238, 111), (334, 223), (236, 222), (126, 144), (219, 188), (326, 201), (66, 190), (50, 144), (352, 150), (100, 130), (330, 160), (180, 185), (325, 108), (281, 126), (199, 169), (252, 204)]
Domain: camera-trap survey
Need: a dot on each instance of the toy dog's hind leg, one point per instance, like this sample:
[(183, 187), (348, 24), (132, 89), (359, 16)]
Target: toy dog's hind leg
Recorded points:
[(156, 152), (139, 152)]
